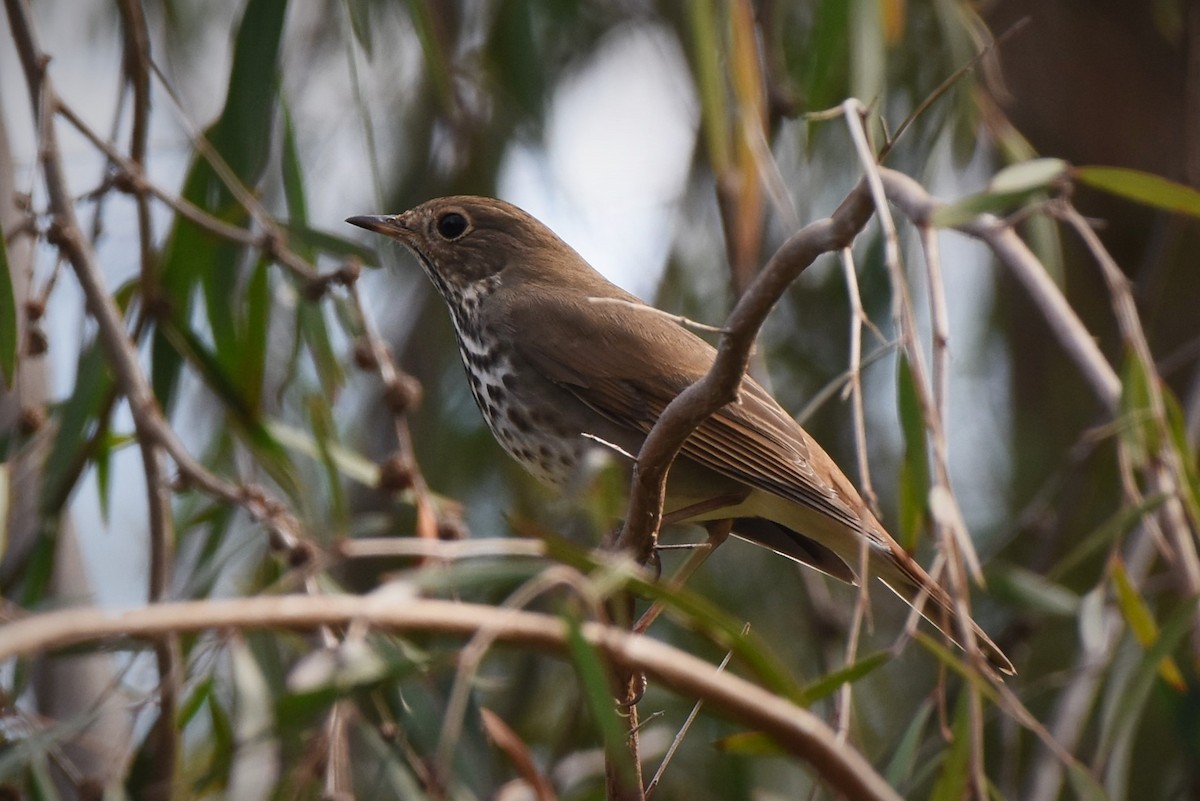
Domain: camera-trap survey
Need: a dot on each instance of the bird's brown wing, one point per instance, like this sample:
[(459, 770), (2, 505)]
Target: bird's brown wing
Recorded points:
[(629, 375)]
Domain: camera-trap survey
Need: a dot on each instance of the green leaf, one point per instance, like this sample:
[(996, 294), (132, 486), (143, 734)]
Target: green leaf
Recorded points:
[(1141, 621), (270, 454), (349, 462), (954, 774), (1142, 187), (1028, 176), (292, 170), (900, 766), (831, 682), (1140, 433), (1120, 523), (1033, 592), (242, 138), (41, 782), (914, 469), (593, 675), (1010, 188), (221, 747), (313, 331), (195, 701), (823, 59), (517, 55), (251, 354), (437, 65), (1118, 728), (1084, 783), (708, 52), (749, 743), (1184, 453), (76, 419), (325, 433), (965, 210), (8, 318)]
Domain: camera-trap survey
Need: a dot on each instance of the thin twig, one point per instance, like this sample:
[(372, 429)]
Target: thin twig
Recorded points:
[(686, 727), (862, 600), (952, 536)]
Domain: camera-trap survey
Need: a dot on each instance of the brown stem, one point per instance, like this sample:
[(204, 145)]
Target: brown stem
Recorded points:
[(796, 730)]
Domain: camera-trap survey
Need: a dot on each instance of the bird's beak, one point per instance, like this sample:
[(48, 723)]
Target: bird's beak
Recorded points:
[(388, 225)]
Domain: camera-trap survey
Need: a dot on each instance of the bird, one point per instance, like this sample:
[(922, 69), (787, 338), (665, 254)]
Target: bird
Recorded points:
[(561, 361)]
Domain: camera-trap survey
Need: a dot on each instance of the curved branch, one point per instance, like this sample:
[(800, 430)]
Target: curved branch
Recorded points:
[(719, 387), (795, 729)]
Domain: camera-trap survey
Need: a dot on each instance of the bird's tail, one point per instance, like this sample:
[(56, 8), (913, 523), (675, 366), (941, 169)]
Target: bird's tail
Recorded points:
[(903, 576)]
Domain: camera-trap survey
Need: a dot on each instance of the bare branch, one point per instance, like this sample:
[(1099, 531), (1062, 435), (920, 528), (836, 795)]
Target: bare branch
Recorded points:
[(796, 730)]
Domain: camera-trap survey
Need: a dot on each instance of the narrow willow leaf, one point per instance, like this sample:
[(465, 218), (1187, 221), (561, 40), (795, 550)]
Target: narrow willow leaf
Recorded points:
[(708, 49), (292, 170), (749, 743), (437, 64), (325, 434), (242, 137), (1141, 621), (1184, 453), (270, 453), (1027, 176), (831, 682), (1142, 187), (360, 24), (1033, 592), (1119, 725), (1084, 784), (824, 62), (955, 770), (967, 209), (349, 463), (914, 469), (900, 766), (1139, 432), (251, 353), (77, 420), (1120, 523), (593, 676), (196, 699), (1009, 189)]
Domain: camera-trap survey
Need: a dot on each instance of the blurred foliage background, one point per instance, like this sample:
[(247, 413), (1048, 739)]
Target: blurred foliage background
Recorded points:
[(674, 144)]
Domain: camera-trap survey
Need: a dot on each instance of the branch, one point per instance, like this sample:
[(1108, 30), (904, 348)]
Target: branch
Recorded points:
[(796, 730)]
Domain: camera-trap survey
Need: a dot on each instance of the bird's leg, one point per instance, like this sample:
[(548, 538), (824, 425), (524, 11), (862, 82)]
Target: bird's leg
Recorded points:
[(718, 532)]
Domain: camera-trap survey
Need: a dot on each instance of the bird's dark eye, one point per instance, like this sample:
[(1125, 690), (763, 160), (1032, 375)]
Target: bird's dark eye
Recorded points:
[(451, 225)]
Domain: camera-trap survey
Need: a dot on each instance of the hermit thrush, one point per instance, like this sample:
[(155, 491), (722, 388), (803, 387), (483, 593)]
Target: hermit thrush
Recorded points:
[(555, 372)]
